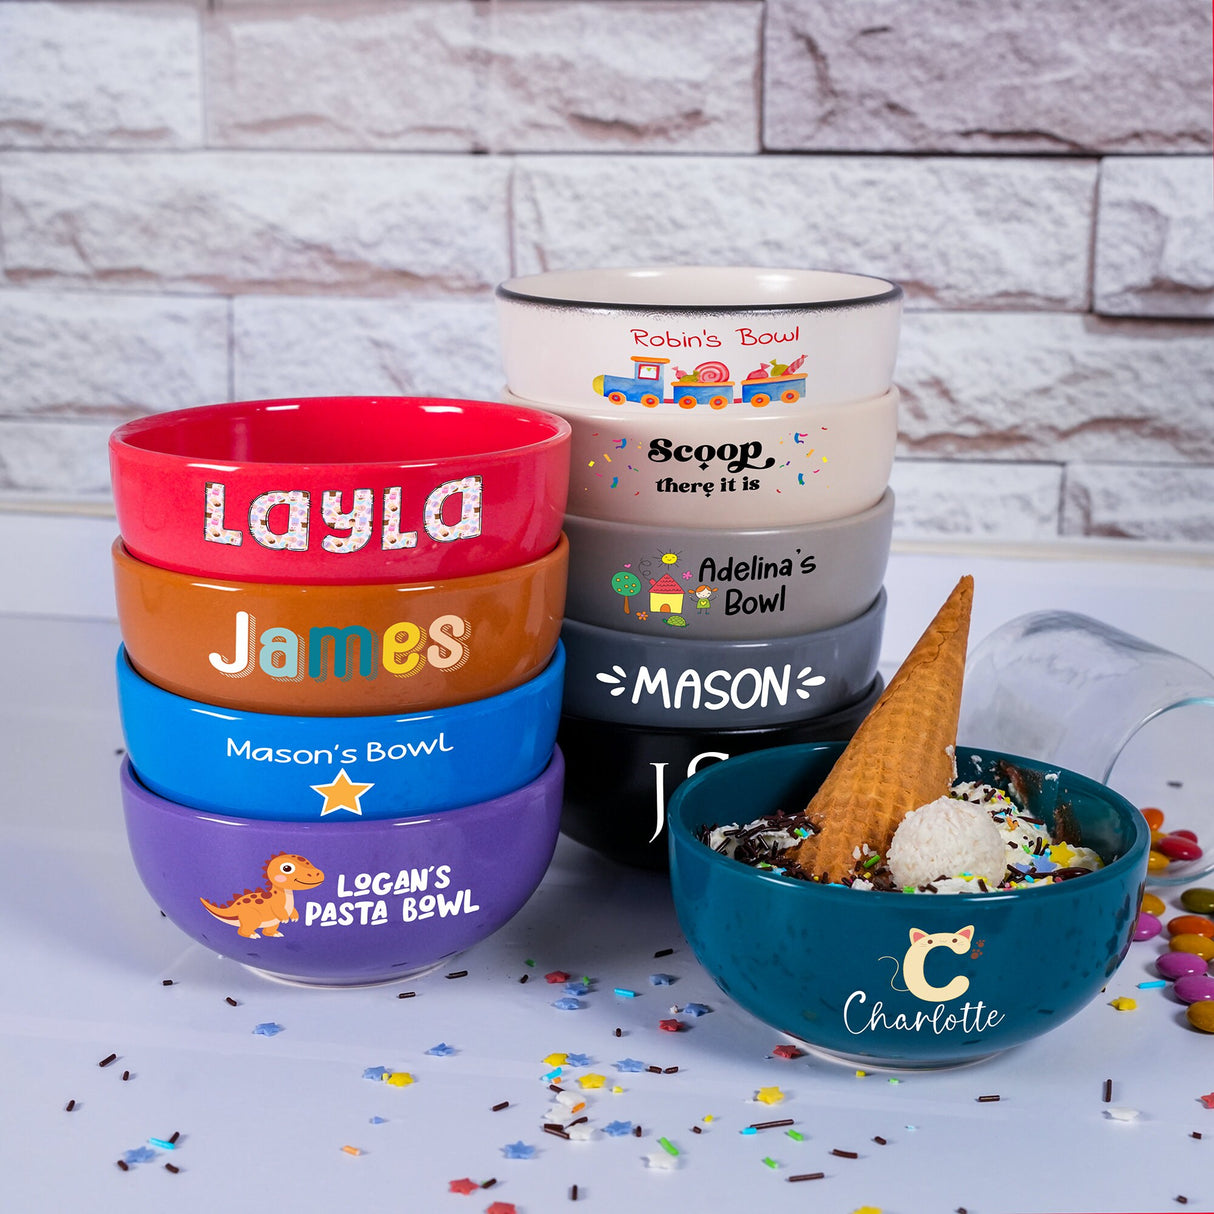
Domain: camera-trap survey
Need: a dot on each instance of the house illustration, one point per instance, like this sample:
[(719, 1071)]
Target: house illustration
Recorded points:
[(665, 595)]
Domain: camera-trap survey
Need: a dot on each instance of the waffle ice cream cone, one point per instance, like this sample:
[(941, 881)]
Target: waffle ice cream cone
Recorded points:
[(901, 757)]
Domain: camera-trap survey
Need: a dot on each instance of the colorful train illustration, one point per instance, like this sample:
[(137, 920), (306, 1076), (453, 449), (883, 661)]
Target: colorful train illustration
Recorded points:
[(708, 384)]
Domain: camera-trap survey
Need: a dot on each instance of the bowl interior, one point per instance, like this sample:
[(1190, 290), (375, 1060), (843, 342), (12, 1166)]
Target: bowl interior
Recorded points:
[(342, 430), (696, 287)]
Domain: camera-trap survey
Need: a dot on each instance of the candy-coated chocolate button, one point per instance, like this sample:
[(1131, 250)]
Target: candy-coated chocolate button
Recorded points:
[(1153, 816), (1201, 1015), (1198, 925), (1177, 847), (1156, 861), (1194, 987), (1197, 899), (1179, 965), (1186, 834), (1155, 906), (1190, 942), (1147, 926)]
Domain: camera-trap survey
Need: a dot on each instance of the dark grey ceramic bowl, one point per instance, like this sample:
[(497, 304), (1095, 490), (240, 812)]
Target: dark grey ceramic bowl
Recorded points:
[(675, 681)]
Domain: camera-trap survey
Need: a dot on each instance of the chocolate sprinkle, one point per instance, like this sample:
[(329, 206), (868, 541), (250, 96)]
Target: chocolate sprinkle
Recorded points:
[(808, 1176), (230, 1001), (407, 995), (458, 974), (636, 1131), (988, 1099), (845, 1154), (769, 1125), (172, 1167), (107, 1060), (879, 1140), (695, 1129), (175, 1135), (1108, 1091), (619, 1032), (556, 1130), (573, 1193), (166, 982), (71, 1104), (125, 1076), (664, 952), (497, 1108), (654, 1070), (122, 1163), (524, 978), (1195, 1134), (670, 1070), (489, 1183)]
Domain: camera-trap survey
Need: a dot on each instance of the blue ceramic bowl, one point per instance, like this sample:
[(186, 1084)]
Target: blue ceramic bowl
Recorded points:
[(334, 769), (829, 965)]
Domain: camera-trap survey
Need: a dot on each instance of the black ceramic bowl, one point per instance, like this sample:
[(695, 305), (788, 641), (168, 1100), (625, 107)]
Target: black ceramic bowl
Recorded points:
[(618, 778)]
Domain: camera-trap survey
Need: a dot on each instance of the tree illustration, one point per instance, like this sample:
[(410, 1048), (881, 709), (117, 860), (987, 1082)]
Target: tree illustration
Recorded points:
[(627, 584)]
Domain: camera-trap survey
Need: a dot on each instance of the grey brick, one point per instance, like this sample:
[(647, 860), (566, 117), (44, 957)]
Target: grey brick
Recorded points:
[(1019, 76), (1139, 501)]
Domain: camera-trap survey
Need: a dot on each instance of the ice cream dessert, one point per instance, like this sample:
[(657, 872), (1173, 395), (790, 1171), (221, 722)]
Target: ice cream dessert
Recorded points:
[(891, 814)]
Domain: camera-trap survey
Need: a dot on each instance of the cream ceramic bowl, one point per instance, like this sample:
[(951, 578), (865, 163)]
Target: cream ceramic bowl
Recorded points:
[(740, 470), (723, 338)]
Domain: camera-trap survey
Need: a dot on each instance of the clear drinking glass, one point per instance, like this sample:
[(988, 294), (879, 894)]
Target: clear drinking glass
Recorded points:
[(1063, 687)]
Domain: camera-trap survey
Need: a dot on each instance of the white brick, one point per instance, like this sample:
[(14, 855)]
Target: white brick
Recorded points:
[(625, 76), (77, 355), (1140, 502), (99, 75), (953, 498), (408, 77), (980, 233), (59, 460), (1055, 387), (271, 221), (1155, 236), (286, 347), (1020, 76)]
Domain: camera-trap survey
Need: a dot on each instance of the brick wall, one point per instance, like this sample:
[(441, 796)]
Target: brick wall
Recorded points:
[(237, 199)]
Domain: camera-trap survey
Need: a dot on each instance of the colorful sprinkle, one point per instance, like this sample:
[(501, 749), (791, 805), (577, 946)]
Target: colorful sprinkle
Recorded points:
[(267, 1029), (442, 1050), (771, 1095), (617, 1129), (518, 1150), (660, 979), (463, 1185), (567, 1004)]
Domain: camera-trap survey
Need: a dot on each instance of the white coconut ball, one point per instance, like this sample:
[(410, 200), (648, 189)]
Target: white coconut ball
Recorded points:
[(945, 839)]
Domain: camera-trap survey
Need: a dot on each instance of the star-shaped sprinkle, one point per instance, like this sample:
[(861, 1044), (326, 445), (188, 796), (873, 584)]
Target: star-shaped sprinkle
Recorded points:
[(592, 1080), (629, 1064), (501, 1207), (398, 1079), (442, 1050), (669, 1026), (1123, 1003), (463, 1185), (696, 1010), (518, 1150), (1207, 1100), (771, 1095), (574, 988), (1063, 854), (617, 1129), (556, 1059), (567, 1004), (660, 979), (139, 1155), (659, 1159), (268, 1029), (556, 976), (1121, 1113), (377, 1120), (578, 1060), (341, 793), (786, 1051), (375, 1072)]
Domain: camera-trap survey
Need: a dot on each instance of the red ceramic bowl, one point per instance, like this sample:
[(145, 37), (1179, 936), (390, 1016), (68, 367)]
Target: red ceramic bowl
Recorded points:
[(341, 489)]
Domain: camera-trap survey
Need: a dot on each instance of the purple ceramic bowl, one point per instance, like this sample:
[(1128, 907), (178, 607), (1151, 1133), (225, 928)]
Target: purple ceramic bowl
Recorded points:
[(344, 903)]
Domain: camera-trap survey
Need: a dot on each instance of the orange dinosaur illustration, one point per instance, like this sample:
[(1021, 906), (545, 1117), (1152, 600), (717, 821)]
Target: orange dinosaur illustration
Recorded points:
[(274, 903)]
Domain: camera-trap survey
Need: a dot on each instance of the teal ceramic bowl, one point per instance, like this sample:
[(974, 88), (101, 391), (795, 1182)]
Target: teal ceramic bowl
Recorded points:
[(905, 981)]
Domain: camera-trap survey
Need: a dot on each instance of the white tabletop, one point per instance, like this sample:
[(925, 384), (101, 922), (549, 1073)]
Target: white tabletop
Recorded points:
[(263, 1120)]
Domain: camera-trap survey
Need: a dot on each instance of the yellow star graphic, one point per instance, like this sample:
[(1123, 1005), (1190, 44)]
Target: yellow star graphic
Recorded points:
[(769, 1095), (342, 793)]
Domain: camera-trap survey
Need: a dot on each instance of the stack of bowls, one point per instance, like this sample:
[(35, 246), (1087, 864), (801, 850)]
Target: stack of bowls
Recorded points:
[(340, 677), (729, 517)]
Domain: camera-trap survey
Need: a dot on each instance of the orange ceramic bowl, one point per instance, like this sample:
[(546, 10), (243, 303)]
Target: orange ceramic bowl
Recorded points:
[(340, 650)]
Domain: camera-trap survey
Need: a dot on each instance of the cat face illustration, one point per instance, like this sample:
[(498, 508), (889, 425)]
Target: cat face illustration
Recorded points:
[(922, 943)]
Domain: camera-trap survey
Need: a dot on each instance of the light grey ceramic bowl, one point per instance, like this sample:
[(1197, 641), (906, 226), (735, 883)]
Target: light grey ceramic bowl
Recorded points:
[(678, 682), (727, 584)]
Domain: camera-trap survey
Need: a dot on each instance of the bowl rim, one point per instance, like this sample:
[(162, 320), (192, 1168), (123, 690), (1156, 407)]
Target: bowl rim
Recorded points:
[(680, 835), (314, 592), (503, 701), (132, 786), (527, 289), (124, 447), (708, 648)]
